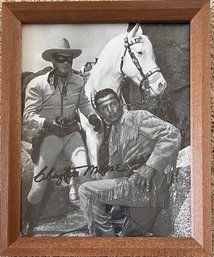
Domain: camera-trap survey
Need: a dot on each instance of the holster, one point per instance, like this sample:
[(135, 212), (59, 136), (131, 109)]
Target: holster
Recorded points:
[(36, 144)]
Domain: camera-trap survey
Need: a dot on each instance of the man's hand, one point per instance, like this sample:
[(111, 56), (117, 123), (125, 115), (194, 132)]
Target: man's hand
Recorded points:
[(143, 178), (95, 121)]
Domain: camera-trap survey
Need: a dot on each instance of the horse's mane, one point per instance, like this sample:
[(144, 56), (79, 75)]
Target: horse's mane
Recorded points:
[(108, 60), (112, 51)]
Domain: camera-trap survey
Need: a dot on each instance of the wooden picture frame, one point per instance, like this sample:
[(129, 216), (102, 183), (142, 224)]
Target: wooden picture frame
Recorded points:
[(195, 12)]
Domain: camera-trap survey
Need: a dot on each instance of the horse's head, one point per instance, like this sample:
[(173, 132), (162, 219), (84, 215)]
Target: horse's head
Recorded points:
[(138, 63)]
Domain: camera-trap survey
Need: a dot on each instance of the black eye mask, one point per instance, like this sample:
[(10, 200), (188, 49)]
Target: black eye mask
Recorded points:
[(61, 58)]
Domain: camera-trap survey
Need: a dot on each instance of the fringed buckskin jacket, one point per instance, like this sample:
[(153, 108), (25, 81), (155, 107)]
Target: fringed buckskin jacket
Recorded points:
[(140, 133)]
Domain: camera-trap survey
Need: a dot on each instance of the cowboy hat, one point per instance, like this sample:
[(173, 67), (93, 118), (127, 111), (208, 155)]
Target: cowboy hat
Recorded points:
[(61, 47)]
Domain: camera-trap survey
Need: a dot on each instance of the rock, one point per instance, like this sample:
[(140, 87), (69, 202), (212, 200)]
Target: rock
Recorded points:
[(175, 221), (27, 147), (26, 174), (182, 224), (70, 222)]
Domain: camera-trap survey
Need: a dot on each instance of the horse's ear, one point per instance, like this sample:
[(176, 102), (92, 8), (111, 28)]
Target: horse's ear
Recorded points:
[(140, 30), (136, 30)]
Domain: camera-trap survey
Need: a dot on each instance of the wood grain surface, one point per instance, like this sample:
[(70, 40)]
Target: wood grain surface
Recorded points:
[(195, 12)]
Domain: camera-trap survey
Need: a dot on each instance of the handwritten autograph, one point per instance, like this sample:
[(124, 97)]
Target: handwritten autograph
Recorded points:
[(72, 172)]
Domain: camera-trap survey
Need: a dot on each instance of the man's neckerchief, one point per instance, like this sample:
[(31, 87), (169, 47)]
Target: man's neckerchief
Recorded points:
[(54, 80)]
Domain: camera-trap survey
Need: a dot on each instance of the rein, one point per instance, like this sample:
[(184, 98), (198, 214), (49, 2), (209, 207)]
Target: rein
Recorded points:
[(144, 83)]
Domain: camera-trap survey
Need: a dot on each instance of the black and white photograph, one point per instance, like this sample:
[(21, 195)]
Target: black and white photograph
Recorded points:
[(105, 130)]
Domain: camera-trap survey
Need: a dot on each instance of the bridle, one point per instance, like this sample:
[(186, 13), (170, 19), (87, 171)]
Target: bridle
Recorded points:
[(144, 83)]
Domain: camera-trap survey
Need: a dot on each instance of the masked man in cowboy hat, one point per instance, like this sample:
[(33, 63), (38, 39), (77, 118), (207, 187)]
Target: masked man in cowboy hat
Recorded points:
[(51, 103), (143, 151)]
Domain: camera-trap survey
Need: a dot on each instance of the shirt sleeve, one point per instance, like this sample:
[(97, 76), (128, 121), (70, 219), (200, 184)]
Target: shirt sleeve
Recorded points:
[(33, 103), (166, 139)]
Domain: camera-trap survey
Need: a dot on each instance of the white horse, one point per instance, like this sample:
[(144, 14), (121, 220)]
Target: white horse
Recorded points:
[(129, 54)]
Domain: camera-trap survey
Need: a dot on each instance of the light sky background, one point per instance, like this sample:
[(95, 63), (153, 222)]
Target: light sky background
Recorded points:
[(91, 38)]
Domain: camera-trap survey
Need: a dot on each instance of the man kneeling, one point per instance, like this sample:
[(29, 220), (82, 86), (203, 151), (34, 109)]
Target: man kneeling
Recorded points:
[(143, 149)]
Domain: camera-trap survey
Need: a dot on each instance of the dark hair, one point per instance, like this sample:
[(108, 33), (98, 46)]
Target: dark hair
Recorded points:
[(103, 93)]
